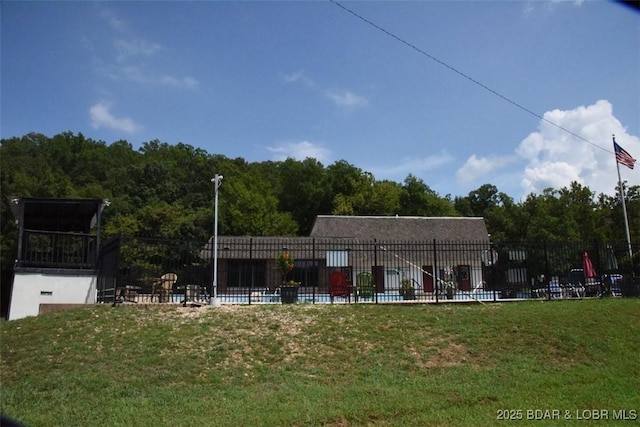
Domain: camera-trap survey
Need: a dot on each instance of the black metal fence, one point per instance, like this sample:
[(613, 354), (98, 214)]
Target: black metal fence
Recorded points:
[(108, 268), (57, 250), (344, 270)]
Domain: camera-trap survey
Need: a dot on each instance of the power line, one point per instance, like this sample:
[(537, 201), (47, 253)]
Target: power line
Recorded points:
[(462, 74)]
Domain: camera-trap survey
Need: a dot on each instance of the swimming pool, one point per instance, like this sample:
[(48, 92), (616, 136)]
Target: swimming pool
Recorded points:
[(265, 297)]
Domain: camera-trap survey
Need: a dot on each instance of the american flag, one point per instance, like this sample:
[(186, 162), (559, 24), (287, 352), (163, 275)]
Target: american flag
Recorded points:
[(622, 156)]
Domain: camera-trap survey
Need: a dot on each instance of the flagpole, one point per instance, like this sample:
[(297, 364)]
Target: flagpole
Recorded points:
[(624, 205), (214, 300)]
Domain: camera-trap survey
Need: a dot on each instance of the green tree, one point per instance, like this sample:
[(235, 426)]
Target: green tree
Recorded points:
[(351, 189), (417, 199), (384, 198), (610, 221), (251, 208), (302, 191), (165, 190)]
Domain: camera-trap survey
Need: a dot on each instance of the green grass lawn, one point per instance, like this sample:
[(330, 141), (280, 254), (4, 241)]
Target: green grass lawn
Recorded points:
[(333, 365)]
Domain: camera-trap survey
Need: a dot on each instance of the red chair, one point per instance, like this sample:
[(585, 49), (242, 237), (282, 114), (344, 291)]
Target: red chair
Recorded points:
[(339, 286)]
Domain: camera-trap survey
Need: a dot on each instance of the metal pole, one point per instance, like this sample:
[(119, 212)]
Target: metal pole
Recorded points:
[(214, 301), (624, 206)]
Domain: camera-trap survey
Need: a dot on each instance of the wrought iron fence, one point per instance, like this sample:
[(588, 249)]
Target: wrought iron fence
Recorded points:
[(51, 249), (108, 266), (348, 270)]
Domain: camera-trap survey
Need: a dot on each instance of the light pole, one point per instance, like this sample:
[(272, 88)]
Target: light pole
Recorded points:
[(214, 301)]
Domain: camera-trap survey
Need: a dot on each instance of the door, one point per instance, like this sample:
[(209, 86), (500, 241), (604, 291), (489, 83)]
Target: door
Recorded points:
[(464, 278), (378, 277), (427, 278)]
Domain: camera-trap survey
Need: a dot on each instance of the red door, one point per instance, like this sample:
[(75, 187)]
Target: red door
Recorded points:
[(464, 277), (427, 278)]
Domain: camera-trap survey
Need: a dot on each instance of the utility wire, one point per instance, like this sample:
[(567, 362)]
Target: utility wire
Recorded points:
[(466, 76)]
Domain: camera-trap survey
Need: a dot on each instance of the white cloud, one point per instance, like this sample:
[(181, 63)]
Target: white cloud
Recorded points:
[(135, 48), (299, 77), (130, 58), (551, 157), (113, 20), (549, 6), (554, 158), (292, 77), (555, 175), (341, 98), (101, 117), (138, 74), (300, 151), (186, 82), (346, 99), (477, 167), (132, 73), (411, 165)]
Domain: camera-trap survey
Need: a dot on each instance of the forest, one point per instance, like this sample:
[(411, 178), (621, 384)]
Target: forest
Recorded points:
[(165, 190)]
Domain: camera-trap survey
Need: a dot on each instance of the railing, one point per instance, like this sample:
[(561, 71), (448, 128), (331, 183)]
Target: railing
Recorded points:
[(50, 249), (108, 270), (437, 271)]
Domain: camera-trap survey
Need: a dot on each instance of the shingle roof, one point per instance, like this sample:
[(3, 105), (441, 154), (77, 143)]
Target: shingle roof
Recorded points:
[(336, 232), (401, 228), (49, 214)]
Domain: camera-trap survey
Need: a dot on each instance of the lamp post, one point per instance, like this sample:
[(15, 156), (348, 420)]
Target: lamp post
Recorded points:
[(214, 301)]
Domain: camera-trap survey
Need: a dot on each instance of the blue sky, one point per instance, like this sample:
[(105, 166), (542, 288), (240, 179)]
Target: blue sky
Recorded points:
[(267, 80)]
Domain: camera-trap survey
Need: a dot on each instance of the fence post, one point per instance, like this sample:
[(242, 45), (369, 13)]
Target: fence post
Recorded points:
[(253, 270), (436, 273), (596, 256), (375, 265), (546, 269), (492, 269)]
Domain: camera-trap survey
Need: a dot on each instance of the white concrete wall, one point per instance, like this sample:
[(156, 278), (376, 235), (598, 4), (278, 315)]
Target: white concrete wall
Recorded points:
[(32, 289)]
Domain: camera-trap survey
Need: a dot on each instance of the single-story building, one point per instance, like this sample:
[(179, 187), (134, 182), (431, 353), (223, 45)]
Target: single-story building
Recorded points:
[(426, 251)]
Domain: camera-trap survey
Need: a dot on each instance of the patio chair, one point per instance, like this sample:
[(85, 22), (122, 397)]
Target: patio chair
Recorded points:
[(364, 285), (540, 288), (573, 290), (339, 286), (193, 295), (126, 293), (163, 287)]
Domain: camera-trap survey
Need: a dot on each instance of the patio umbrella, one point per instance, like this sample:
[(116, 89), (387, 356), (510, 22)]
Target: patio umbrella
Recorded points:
[(589, 271), (610, 261)]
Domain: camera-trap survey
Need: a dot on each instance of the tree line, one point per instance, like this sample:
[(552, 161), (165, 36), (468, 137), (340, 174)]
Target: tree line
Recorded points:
[(165, 190)]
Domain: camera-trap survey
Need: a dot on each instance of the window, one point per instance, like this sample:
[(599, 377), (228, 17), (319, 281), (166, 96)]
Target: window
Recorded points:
[(337, 258), (306, 272), (246, 274)]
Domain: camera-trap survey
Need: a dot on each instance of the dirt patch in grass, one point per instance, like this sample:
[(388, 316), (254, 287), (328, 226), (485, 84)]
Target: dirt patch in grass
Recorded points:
[(444, 352), (250, 336)]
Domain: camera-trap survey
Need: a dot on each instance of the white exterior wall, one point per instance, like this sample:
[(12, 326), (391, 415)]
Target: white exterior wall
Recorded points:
[(477, 283), (392, 279), (32, 289)]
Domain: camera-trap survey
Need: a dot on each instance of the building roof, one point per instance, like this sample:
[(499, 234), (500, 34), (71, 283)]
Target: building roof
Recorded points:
[(332, 233), (401, 228), (49, 214)]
